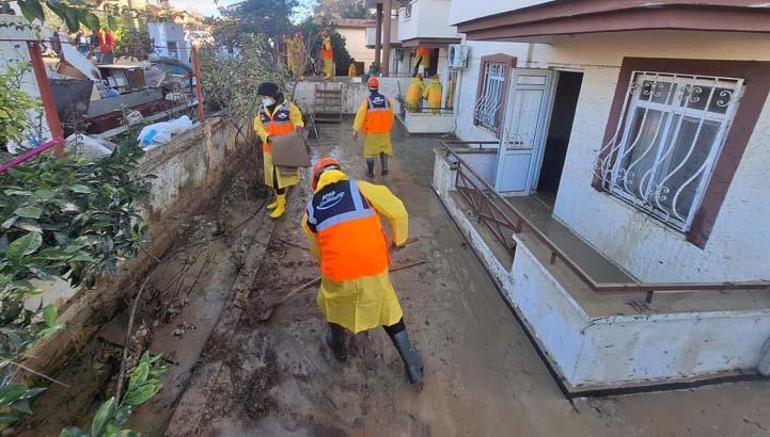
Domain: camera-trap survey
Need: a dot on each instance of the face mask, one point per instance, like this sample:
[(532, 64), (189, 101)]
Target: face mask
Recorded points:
[(268, 101)]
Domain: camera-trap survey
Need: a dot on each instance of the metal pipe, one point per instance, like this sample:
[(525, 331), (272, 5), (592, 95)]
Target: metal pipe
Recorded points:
[(29, 154), (49, 105), (198, 83)]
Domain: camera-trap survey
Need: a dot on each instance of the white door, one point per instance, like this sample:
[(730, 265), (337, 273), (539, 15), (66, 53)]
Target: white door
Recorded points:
[(522, 140)]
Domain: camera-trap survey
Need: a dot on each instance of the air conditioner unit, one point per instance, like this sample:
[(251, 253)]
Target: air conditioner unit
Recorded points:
[(458, 56)]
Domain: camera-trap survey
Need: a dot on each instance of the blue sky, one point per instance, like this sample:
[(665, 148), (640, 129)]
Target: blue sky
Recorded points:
[(207, 7)]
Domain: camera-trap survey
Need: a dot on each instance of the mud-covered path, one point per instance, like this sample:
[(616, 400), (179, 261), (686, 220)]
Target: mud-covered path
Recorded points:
[(482, 375)]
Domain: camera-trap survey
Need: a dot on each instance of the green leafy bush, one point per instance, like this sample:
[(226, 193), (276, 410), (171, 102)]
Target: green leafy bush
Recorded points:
[(69, 218), (109, 419)]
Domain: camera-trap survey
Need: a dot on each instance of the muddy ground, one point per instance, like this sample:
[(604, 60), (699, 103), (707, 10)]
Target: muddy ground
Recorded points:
[(233, 375)]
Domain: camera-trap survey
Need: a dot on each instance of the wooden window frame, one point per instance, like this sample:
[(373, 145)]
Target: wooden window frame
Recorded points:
[(756, 77), (509, 63)]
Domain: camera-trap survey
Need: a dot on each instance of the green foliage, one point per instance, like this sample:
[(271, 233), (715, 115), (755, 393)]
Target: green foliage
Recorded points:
[(69, 218), (15, 105), (271, 17), (133, 43), (341, 9), (342, 57), (143, 384)]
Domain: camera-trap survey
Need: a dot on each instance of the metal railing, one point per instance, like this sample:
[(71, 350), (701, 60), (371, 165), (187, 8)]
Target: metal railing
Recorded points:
[(501, 215)]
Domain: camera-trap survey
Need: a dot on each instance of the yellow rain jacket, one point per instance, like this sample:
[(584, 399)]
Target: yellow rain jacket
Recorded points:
[(432, 94), (327, 55), (374, 143), (291, 55), (414, 94), (367, 302), (283, 178), (352, 72)]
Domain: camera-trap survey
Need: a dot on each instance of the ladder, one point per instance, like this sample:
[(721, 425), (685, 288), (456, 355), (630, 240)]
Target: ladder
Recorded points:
[(327, 107)]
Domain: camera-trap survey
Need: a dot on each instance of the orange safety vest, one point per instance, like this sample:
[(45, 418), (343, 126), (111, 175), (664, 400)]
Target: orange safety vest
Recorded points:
[(326, 50), (277, 124), (349, 232), (379, 115)]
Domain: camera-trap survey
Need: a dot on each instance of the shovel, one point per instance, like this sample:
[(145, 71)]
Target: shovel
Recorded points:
[(267, 310)]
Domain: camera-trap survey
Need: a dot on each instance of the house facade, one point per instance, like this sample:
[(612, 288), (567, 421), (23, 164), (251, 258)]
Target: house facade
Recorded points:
[(625, 143)]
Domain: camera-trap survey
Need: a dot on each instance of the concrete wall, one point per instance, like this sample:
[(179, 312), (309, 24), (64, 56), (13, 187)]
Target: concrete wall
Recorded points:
[(429, 19), (353, 93), (371, 33), (355, 42), (615, 351), (427, 123), (190, 170)]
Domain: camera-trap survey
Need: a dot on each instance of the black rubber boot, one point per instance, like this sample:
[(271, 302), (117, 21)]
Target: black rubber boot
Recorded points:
[(409, 354), (336, 342), (384, 162), (370, 167)]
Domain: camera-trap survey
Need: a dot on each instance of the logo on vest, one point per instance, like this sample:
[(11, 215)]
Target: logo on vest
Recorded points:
[(330, 200), (378, 100), (283, 115)]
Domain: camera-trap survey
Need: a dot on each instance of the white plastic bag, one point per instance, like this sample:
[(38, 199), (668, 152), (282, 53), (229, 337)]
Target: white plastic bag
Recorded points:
[(154, 134), (86, 146), (180, 124)]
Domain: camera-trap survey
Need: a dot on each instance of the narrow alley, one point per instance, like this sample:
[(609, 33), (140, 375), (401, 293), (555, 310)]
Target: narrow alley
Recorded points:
[(482, 375)]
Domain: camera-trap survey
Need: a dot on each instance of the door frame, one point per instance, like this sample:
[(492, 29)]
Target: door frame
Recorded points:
[(538, 148)]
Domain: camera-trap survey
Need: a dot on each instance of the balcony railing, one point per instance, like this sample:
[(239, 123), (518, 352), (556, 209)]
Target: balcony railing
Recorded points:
[(504, 220)]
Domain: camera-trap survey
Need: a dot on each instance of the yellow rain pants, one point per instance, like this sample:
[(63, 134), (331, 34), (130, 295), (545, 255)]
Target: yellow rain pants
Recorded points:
[(368, 302)]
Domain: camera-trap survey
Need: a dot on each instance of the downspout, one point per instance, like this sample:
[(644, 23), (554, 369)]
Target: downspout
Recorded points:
[(530, 53)]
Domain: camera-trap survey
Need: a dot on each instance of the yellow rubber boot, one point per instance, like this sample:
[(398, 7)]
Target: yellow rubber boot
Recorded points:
[(273, 205), (280, 207)]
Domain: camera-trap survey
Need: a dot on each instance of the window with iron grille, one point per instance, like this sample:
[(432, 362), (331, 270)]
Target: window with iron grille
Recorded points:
[(408, 11), (669, 137), (489, 104)]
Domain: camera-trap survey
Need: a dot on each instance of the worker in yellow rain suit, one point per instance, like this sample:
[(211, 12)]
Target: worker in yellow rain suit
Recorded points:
[(423, 60), (288, 42), (375, 118), (342, 222), (413, 97), (352, 71), (432, 94), (276, 116), (327, 55), (299, 56)]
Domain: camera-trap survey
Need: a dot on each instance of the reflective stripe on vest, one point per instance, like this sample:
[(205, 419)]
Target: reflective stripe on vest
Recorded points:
[(379, 115), (349, 232)]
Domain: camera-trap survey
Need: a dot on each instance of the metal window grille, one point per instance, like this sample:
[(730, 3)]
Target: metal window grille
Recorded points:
[(670, 134), (487, 108)]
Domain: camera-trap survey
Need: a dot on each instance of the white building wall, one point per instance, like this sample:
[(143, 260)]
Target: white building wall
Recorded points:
[(163, 33), (640, 244), (466, 10), (355, 42), (465, 94), (737, 248), (429, 19)]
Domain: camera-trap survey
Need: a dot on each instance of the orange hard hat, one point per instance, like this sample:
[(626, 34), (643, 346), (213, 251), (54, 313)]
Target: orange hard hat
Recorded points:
[(322, 165), (373, 82)]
